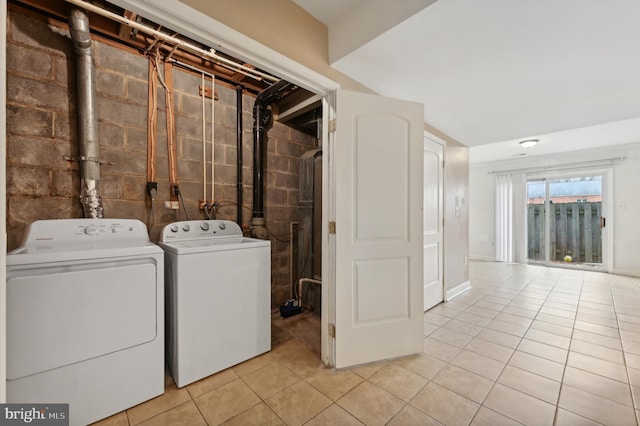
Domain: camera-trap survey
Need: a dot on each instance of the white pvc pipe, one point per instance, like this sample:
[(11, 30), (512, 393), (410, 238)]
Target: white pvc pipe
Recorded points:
[(213, 151), (204, 143), (210, 54), (305, 280)]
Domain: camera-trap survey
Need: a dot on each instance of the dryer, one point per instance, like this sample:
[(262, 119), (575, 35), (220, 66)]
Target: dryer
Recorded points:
[(218, 297), (85, 317)]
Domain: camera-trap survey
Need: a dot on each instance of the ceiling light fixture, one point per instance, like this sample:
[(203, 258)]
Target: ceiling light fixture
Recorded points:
[(529, 143)]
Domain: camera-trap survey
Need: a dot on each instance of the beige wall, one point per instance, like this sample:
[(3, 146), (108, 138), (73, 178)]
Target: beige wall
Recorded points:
[(456, 229), (282, 26)]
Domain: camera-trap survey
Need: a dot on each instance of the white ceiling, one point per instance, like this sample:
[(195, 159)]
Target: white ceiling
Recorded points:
[(493, 72)]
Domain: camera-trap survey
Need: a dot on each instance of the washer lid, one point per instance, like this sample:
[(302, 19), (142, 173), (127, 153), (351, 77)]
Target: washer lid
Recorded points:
[(75, 239), (212, 244)]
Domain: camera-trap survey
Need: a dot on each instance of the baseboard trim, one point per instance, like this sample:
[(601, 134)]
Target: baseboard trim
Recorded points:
[(457, 290), (627, 272), (482, 258)]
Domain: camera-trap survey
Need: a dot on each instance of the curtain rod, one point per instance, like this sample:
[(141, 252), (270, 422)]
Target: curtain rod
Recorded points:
[(559, 167)]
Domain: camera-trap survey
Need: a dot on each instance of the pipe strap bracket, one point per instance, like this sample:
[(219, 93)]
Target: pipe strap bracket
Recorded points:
[(85, 158)]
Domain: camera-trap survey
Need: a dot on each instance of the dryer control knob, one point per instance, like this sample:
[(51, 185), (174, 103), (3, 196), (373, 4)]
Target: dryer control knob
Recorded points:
[(174, 228), (91, 230), (204, 226), (222, 225), (186, 227)]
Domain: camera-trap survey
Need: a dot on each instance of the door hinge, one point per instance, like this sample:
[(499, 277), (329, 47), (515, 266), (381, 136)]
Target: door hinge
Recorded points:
[(603, 222), (332, 227), (332, 125), (332, 330)]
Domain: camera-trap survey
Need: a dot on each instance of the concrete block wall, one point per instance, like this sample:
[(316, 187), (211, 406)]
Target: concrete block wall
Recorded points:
[(42, 129)]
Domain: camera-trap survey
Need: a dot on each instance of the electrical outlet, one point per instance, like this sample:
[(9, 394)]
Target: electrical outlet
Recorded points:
[(173, 205)]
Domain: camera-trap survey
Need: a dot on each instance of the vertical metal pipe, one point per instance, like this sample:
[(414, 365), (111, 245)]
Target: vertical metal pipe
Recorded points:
[(89, 147), (239, 145)]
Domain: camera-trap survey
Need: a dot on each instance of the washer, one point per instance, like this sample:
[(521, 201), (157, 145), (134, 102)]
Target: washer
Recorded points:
[(85, 317), (218, 287)]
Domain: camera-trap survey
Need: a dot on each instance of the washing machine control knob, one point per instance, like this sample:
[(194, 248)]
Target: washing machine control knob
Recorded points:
[(174, 228), (204, 226), (115, 229), (186, 227), (91, 230), (222, 225)]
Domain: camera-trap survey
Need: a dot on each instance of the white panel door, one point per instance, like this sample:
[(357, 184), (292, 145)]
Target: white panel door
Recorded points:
[(432, 223), (377, 168)]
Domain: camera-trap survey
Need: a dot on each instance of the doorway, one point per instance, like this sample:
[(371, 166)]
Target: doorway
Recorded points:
[(398, 230), (300, 316), (433, 221), (566, 220)]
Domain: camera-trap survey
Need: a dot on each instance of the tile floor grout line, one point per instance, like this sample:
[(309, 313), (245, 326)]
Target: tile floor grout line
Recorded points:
[(566, 361), (554, 291), (507, 362), (200, 412), (523, 337), (624, 354)]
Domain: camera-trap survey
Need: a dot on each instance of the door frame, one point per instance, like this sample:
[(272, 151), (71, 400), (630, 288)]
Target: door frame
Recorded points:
[(607, 212), (3, 203), (441, 207), (206, 29)]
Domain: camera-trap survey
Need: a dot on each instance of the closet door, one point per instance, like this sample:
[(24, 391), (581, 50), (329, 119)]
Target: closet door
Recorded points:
[(378, 161)]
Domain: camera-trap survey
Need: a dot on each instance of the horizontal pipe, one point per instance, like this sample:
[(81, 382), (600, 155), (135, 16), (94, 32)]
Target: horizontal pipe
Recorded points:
[(209, 54)]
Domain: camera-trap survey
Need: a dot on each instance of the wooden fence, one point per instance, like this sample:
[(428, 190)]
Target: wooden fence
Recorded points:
[(575, 231)]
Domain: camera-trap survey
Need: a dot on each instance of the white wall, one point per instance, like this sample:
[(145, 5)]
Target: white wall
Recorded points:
[(626, 199), (481, 213), (626, 209)]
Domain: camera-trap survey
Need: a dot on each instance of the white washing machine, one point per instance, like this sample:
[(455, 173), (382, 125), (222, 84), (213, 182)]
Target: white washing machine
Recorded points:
[(218, 287), (85, 317)]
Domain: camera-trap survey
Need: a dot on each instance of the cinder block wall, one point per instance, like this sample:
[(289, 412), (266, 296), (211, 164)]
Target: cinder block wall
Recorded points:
[(42, 129)]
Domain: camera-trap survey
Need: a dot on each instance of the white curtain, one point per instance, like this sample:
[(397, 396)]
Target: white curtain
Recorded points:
[(511, 219)]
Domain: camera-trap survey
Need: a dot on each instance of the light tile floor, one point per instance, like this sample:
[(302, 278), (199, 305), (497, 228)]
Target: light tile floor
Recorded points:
[(526, 345)]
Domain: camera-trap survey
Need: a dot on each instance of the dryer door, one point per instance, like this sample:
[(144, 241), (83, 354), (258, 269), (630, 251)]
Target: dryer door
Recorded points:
[(62, 314)]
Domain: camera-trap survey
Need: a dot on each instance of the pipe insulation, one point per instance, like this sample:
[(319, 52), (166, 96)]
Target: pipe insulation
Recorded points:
[(87, 115)]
